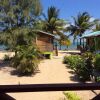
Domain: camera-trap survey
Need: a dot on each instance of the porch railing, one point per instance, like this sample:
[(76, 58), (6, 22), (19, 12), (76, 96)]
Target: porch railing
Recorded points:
[(48, 87)]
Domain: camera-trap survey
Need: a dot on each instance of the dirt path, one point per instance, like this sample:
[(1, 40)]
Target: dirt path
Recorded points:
[(50, 71)]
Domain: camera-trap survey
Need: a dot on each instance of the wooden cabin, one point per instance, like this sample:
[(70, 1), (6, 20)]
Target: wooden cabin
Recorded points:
[(92, 41), (44, 41)]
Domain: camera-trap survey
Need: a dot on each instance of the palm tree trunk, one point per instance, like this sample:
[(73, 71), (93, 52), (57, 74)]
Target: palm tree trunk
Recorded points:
[(60, 44), (80, 42), (56, 50), (67, 48), (83, 43)]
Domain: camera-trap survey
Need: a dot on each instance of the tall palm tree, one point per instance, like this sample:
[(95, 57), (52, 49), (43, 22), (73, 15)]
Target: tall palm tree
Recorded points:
[(52, 23), (80, 25)]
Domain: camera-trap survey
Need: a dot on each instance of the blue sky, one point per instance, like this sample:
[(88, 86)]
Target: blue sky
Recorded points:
[(70, 8)]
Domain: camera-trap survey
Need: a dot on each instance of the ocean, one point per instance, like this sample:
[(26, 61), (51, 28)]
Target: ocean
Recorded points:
[(73, 46), (2, 47)]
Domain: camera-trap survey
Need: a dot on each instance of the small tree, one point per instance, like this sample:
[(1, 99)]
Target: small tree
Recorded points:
[(66, 42), (19, 19)]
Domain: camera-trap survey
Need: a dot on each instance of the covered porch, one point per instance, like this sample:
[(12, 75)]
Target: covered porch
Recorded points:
[(91, 42)]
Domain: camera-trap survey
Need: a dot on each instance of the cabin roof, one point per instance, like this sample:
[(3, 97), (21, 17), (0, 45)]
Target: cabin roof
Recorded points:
[(92, 34), (46, 33)]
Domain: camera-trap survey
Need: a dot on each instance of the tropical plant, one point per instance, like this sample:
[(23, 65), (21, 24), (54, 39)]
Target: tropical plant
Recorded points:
[(52, 23), (67, 59), (66, 42), (80, 25), (97, 26), (17, 36), (6, 58), (79, 65), (97, 62), (26, 59), (98, 79), (71, 96)]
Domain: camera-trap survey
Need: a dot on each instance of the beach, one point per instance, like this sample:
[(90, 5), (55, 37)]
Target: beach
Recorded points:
[(50, 71)]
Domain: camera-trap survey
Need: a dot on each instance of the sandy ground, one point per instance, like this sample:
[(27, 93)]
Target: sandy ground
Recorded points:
[(50, 71)]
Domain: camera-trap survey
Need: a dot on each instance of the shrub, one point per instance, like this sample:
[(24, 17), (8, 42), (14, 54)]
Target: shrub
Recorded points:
[(89, 61), (71, 96), (6, 58), (78, 64), (74, 61), (67, 59), (98, 79), (26, 60), (97, 62)]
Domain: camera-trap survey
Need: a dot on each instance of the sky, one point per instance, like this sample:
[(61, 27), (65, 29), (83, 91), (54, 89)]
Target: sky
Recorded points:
[(69, 8)]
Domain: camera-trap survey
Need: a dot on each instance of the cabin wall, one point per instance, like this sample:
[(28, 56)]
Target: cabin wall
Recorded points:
[(92, 43), (44, 42)]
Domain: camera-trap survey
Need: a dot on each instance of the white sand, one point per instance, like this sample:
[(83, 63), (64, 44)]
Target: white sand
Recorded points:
[(50, 71), (3, 53)]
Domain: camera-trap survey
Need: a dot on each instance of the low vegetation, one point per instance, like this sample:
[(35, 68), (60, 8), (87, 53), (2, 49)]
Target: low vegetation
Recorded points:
[(71, 96), (26, 60), (97, 62), (83, 65), (6, 58)]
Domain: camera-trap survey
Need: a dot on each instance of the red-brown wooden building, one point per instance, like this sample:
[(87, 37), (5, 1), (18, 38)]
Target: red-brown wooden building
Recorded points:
[(44, 41)]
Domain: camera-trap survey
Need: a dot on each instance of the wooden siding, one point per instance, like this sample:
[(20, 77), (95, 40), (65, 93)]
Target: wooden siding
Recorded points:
[(44, 42)]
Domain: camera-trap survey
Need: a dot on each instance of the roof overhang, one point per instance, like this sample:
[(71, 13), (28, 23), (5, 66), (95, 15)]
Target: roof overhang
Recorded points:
[(46, 33), (92, 34)]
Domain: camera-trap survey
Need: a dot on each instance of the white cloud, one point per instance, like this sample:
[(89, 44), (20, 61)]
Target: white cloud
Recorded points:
[(92, 19)]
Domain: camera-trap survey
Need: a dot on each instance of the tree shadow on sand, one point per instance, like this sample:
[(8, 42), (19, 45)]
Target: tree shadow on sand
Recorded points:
[(5, 67), (74, 76), (16, 73), (3, 64)]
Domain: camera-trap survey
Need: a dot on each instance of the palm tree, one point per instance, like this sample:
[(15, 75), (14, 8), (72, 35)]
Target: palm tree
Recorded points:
[(97, 26), (52, 23), (81, 24), (66, 42)]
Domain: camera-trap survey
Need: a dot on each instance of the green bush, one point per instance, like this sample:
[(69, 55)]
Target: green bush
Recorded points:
[(6, 58), (26, 60), (78, 65), (71, 96), (97, 62), (74, 61), (67, 60), (98, 79), (83, 65)]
